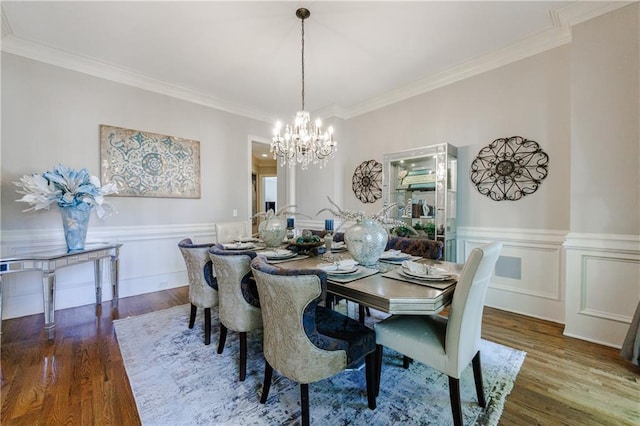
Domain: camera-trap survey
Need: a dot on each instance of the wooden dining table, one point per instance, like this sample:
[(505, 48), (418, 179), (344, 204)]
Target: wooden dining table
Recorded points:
[(386, 294)]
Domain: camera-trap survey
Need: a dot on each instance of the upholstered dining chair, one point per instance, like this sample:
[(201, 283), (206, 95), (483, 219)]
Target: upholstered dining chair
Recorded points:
[(304, 341), (203, 288), (447, 344), (226, 232), (430, 249), (239, 306)]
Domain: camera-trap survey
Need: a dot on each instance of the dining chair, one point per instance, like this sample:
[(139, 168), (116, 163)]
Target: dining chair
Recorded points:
[(304, 341), (447, 344), (239, 306), (423, 247), (203, 287), (227, 232)]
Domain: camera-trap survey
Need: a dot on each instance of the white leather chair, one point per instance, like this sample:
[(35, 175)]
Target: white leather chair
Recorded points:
[(226, 232), (447, 344)]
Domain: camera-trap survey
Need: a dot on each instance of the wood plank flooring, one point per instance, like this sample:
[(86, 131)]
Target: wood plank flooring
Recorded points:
[(79, 379)]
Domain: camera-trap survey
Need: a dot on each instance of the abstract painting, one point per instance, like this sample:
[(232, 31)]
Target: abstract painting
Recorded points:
[(144, 164)]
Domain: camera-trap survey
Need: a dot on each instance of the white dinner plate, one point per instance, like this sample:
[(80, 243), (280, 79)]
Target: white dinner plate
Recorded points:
[(435, 277), (278, 254), (247, 240), (239, 246), (390, 256), (343, 271)]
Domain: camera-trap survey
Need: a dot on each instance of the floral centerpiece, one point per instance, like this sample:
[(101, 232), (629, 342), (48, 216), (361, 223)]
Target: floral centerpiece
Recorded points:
[(367, 239), (76, 192)]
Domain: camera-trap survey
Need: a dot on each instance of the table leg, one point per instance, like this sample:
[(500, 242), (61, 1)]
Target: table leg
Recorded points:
[(97, 269), (49, 296), (115, 265)]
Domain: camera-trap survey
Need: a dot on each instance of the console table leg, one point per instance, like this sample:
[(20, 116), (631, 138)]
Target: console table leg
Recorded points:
[(115, 264), (97, 269), (48, 287), (0, 304)]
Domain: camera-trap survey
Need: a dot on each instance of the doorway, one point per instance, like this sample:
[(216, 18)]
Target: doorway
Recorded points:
[(264, 180)]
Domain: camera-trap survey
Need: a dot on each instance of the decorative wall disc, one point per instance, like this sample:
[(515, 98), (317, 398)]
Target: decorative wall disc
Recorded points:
[(367, 181), (509, 168)]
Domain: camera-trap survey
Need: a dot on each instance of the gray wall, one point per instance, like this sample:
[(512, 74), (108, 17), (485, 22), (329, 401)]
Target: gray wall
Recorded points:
[(529, 98), (51, 115), (605, 143)]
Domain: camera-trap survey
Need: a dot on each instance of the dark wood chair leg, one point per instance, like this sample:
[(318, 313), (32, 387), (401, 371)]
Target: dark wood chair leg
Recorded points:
[(361, 314), (379, 351), (371, 367), (222, 338), (454, 395), (477, 376), (207, 326), (304, 403), (368, 311), (243, 355), (192, 316), (406, 361), (266, 386)]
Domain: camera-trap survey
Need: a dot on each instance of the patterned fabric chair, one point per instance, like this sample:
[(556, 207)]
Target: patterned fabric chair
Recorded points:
[(226, 232), (447, 344), (431, 249), (239, 306), (304, 341), (203, 288)]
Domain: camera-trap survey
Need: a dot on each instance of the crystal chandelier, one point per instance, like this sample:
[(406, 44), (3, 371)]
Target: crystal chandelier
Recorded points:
[(303, 142)]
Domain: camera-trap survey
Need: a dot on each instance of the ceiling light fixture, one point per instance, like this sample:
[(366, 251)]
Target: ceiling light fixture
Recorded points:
[(303, 142)]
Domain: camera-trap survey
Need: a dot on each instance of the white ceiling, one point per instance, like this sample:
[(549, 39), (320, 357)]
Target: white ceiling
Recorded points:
[(244, 57)]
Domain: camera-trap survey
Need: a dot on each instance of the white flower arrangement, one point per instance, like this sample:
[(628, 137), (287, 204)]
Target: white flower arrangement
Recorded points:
[(381, 217), (66, 187)]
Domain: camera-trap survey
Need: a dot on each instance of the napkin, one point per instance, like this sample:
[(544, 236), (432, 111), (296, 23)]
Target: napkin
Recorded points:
[(277, 253), (338, 245), (391, 254), (343, 265), (415, 267)]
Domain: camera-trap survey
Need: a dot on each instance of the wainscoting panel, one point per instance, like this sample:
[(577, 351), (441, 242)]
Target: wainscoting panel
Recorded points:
[(149, 261), (603, 286), (529, 272)]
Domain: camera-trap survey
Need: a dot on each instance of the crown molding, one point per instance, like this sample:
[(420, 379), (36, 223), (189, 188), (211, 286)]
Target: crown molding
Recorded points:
[(100, 69), (557, 35)]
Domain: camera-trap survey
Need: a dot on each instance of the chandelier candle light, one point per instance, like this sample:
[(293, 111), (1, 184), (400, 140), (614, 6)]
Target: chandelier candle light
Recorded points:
[(303, 142)]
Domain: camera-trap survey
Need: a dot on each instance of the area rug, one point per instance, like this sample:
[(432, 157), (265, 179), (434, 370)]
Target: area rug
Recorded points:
[(177, 380)]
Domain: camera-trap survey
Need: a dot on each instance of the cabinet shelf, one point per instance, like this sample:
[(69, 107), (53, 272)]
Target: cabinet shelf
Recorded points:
[(434, 169)]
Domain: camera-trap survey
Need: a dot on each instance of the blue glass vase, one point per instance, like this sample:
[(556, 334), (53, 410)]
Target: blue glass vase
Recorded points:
[(75, 221)]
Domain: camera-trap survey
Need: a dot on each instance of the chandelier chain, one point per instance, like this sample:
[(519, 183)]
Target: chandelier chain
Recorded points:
[(302, 64), (303, 141)]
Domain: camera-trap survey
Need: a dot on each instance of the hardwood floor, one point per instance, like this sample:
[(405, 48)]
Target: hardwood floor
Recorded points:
[(78, 378)]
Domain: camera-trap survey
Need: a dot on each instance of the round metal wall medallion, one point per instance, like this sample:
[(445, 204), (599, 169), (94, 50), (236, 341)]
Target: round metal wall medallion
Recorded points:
[(509, 168), (367, 181)]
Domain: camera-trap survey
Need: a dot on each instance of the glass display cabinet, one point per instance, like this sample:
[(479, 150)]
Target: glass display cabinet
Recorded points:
[(422, 182)]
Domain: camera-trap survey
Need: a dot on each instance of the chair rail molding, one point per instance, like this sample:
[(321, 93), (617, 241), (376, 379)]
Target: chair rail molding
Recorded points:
[(149, 261), (529, 276), (603, 286)]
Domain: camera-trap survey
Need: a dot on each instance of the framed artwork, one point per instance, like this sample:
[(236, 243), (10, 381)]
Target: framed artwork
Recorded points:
[(367, 180), (145, 164)]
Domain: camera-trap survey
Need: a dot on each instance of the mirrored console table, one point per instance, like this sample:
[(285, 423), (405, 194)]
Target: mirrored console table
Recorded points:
[(51, 260)]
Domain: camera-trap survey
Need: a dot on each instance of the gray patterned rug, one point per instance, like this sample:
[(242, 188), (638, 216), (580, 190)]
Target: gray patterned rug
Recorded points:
[(177, 380)]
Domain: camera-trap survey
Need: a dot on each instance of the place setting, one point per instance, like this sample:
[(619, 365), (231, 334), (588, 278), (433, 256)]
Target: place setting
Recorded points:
[(239, 245), (423, 274), (345, 270), (281, 255), (396, 257)]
